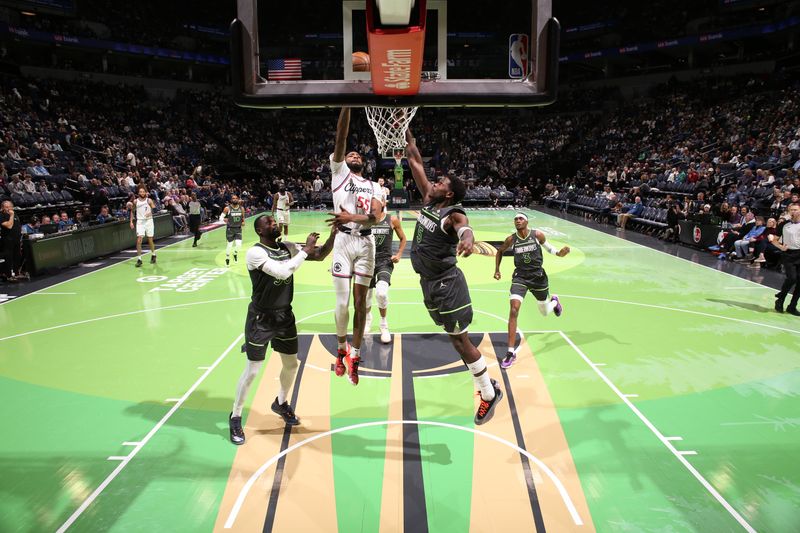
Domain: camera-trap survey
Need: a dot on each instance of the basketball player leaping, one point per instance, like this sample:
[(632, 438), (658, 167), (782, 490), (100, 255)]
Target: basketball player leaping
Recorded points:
[(233, 216), (282, 202), (442, 232), (529, 275), (383, 231), (141, 212), (356, 207), (270, 319)]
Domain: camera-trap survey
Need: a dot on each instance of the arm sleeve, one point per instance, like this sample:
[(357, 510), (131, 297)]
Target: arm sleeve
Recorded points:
[(258, 259)]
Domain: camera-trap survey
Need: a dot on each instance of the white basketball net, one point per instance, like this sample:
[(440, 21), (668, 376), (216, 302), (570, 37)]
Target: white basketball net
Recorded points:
[(390, 125)]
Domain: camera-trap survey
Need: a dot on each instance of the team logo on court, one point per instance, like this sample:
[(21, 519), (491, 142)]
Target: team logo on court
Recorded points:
[(337, 267), (697, 234)]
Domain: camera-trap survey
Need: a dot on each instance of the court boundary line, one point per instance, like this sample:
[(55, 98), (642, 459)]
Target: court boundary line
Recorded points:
[(664, 440), (141, 443), (569, 504)]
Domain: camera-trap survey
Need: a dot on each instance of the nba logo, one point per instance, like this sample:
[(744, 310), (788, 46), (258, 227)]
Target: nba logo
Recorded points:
[(517, 56)]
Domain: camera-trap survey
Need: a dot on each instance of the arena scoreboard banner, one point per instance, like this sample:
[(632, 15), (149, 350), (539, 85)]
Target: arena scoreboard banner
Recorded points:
[(70, 248)]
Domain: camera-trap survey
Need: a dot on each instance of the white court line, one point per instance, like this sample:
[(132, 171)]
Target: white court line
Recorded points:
[(674, 438), (172, 400), (748, 288), (53, 293), (131, 443), (263, 468), (117, 458), (688, 452), (124, 462), (703, 481)]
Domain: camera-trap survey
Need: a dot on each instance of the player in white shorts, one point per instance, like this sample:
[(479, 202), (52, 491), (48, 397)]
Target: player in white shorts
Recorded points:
[(141, 211), (356, 207), (281, 203)]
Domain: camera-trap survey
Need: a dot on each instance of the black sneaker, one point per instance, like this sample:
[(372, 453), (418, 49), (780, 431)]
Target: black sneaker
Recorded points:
[(237, 433), (486, 409), (793, 311), (285, 411), (153, 259), (779, 305), (194, 244), (235, 258), (138, 263), (227, 261)]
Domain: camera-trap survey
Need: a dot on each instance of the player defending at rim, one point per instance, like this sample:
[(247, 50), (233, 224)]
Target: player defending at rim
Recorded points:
[(356, 207), (384, 266), (270, 319), (233, 216), (529, 275), (442, 232), (141, 211), (282, 202)]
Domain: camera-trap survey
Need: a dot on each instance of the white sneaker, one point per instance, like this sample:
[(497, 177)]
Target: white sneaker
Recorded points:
[(386, 337), (368, 324)]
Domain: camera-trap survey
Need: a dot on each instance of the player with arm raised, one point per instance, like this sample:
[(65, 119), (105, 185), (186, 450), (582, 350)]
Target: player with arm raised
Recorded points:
[(270, 319), (529, 275), (356, 207), (442, 233)]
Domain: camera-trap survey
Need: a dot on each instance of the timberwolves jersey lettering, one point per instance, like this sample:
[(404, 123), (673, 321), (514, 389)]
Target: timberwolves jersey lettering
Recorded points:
[(235, 217), (433, 251), (270, 293), (527, 257), (383, 239)]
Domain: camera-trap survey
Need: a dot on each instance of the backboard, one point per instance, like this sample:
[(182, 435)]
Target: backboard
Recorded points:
[(289, 55)]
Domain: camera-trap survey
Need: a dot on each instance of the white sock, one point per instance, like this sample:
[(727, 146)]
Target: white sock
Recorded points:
[(288, 372), (482, 382), (243, 387), (228, 249), (545, 308), (512, 349), (341, 345), (356, 352), (384, 322)]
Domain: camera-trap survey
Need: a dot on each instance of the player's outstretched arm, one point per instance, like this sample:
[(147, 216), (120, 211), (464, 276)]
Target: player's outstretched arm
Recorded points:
[(398, 230), (321, 252), (549, 247), (282, 270), (416, 166), (466, 237), (499, 255), (224, 214), (342, 127)]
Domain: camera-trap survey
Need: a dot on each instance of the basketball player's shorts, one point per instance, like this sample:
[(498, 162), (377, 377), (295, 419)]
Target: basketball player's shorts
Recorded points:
[(283, 216), (233, 233), (276, 326), (447, 300), (383, 271), (539, 286), (145, 228), (354, 255)]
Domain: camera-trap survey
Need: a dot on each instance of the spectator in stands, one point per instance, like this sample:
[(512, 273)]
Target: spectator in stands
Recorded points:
[(10, 241), (43, 186), (632, 211), (737, 231), (16, 185), (65, 223), (28, 185), (674, 215), (318, 184), (179, 216), (742, 246), (763, 247), (31, 227), (104, 216), (734, 197)]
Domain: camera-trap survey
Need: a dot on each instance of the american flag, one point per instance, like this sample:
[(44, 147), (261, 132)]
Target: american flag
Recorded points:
[(284, 69)]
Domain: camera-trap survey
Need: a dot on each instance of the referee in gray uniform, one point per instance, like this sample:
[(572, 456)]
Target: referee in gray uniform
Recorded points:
[(790, 245), (194, 218)]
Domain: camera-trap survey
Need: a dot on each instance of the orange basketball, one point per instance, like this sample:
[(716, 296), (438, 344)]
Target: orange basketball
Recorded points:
[(360, 62)]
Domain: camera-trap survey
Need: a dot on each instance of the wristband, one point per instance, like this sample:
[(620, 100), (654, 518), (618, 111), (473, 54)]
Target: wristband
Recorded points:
[(461, 231)]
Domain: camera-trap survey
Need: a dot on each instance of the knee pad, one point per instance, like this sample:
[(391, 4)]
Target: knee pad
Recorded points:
[(382, 294)]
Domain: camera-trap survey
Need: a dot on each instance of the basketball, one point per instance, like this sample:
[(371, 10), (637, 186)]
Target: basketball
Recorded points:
[(360, 62)]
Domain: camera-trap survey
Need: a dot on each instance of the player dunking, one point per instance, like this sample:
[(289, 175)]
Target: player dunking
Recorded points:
[(442, 232), (529, 275), (233, 216), (141, 211), (270, 319), (384, 266), (356, 207), (282, 202)]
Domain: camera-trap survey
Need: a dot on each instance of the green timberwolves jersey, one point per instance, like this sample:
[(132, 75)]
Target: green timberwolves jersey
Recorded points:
[(527, 256), (433, 251), (235, 217), (269, 292), (383, 238)]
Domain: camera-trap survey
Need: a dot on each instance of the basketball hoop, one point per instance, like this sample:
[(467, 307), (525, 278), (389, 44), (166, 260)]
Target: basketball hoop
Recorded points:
[(390, 125)]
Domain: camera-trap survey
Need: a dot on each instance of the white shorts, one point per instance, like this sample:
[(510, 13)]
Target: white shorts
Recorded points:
[(145, 228), (354, 256), (283, 217)]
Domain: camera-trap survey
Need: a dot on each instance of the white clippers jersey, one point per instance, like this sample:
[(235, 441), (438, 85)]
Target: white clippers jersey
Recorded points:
[(351, 192), (283, 201), (143, 209)]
